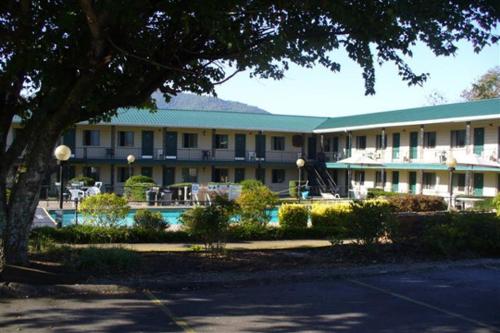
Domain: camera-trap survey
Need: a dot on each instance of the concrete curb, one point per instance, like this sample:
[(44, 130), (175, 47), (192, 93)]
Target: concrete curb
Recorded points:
[(225, 280)]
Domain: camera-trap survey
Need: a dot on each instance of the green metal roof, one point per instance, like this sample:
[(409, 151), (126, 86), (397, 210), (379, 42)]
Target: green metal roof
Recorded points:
[(489, 107), (410, 166), (216, 119)]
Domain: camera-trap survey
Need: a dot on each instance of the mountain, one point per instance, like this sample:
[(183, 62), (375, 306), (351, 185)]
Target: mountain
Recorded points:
[(195, 102)]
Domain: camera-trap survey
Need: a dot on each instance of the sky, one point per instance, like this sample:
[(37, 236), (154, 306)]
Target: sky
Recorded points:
[(319, 92)]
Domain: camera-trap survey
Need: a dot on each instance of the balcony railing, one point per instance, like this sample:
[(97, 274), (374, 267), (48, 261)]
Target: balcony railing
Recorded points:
[(182, 154)]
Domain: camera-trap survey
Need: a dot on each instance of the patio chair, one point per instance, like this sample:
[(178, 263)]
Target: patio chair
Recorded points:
[(98, 185), (76, 194), (92, 191)]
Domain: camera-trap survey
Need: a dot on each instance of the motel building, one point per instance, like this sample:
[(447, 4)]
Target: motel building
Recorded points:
[(401, 151)]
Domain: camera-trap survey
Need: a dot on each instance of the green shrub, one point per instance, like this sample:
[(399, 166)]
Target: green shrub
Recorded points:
[(105, 209), (408, 229), (249, 184), (417, 203), (496, 203), (378, 192), (293, 188), (87, 181), (147, 219), (136, 186), (106, 261), (293, 216), (331, 216), (367, 221), (210, 224), (255, 204)]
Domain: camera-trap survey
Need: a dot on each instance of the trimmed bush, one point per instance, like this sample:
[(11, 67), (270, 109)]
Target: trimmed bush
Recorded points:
[(249, 184), (417, 203), (496, 202), (408, 229), (293, 216), (331, 216), (368, 220), (104, 210), (136, 186), (210, 224), (378, 192), (148, 219), (87, 181), (255, 204)]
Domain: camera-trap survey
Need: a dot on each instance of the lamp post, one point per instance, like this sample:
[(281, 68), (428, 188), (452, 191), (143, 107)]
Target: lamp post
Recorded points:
[(62, 154), (451, 163), (130, 160), (300, 164)]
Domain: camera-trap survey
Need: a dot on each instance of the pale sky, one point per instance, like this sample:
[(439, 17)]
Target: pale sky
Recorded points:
[(320, 92)]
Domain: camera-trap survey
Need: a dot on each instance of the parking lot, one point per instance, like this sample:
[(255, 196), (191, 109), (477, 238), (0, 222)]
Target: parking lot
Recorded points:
[(451, 300)]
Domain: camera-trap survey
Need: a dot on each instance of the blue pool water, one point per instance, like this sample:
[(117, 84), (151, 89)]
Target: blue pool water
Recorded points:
[(170, 215)]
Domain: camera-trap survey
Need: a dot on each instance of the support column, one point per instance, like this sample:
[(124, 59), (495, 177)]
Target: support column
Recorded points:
[(321, 143), (382, 156), (468, 138), (213, 144), (420, 180), (112, 177), (349, 144), (421, 143)]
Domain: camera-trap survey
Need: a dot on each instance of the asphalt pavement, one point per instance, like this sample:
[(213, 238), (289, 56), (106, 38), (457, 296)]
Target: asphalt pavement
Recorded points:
[(440, 300)]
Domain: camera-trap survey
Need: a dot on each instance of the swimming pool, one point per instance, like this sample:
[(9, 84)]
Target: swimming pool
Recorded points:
[(172, 216)]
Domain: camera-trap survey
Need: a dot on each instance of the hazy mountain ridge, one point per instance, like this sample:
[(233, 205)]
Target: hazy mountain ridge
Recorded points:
[(206, 103)]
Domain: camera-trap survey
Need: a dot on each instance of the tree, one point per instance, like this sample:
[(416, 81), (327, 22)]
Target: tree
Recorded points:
[(62, 62), (487, 86), (436, 98)]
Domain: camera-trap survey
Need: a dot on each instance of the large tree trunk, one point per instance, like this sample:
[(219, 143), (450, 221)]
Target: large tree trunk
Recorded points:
[(21, 206)]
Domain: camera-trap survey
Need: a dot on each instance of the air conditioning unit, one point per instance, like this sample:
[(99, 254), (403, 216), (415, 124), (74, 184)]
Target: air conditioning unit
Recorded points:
[(252, 156), (159, 154)]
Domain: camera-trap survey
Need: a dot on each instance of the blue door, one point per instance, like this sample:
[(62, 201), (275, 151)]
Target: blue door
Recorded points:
[(171, 145), (147, 144)]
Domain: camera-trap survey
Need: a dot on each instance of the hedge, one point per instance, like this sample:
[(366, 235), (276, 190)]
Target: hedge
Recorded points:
[(417, 203), (136, 186), (293, 216), (332, 216)]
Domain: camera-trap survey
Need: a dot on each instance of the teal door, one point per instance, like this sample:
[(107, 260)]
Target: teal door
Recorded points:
[(413, 145), (413, 182), (168, 176), (69, 139), (396, 142), (260, 146), (395, 181), (478, 141), (147, 143), (478, 184), (240, 146), (171, 145)]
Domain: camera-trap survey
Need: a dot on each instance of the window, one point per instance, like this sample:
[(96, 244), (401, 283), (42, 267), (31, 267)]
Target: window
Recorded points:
[(147, 171), (92, 172), (278, 176), (91, 138), (221, 141), (458, 139), (359, 177), (378, 142), (221, 175), (379, 182), (459, 181), (190, 140), (361, 142), (126, 139), (190, 175), (278, 142), (123, 174), (429, 139), (429, 180)]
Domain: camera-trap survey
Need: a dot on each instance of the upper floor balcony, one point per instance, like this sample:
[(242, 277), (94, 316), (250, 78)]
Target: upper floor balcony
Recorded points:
[(183, 154)]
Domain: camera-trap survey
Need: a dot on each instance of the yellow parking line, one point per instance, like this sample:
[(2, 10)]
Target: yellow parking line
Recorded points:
[(178, 321), (429, 306)]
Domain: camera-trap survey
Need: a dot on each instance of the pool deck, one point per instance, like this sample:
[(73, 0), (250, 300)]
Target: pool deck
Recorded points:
[(241, 246), (69, 205)]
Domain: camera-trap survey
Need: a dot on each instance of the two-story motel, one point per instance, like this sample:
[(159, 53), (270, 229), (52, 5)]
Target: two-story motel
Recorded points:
[(402, 151)]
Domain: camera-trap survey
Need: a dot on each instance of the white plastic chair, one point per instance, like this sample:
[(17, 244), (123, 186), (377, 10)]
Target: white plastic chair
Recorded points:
[(98, 185), (92, 191), (76, 194)]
